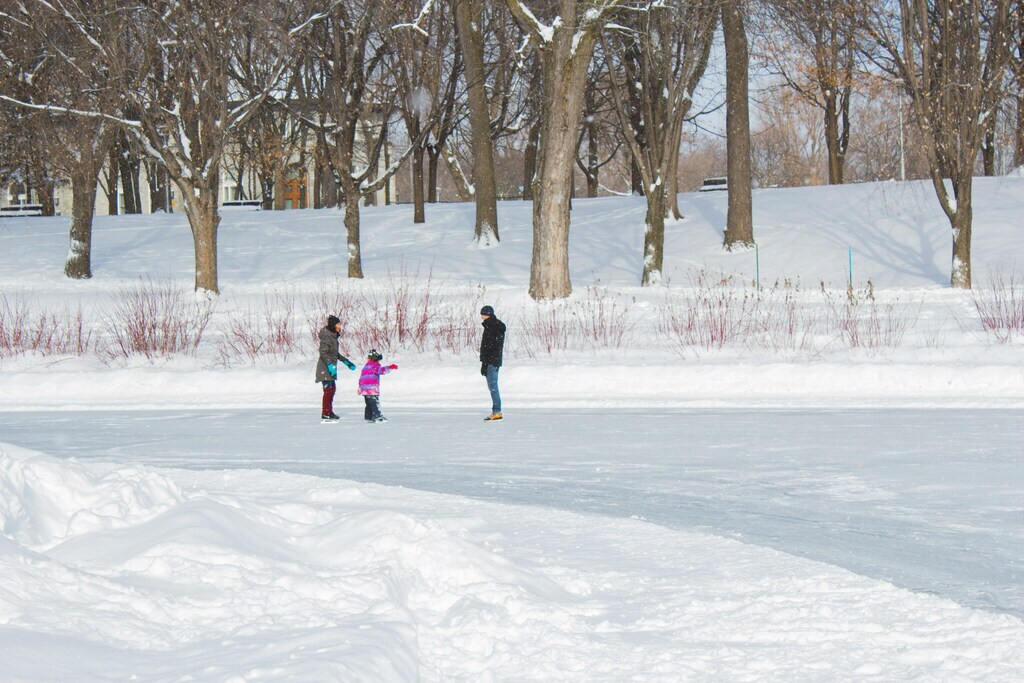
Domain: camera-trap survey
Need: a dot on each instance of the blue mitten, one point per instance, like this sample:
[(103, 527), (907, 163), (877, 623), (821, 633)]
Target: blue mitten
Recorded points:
[(350, 365), (333, 369)]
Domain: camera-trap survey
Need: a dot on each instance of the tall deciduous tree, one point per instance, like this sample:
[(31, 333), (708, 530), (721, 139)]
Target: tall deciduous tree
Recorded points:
[(177, 75), (813, 45), (739, 228), (951, 56), (600, 137), (469, 15), (660, 59), (346, 45), (52, 54), (565, 46), (426, 68)]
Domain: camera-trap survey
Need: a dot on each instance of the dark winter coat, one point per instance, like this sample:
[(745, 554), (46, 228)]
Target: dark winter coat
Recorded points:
[(328, 354), (492, 344)]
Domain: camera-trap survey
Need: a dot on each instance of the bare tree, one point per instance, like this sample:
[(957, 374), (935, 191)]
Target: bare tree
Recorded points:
[(446, 125), (129, 161), (600, 131), (177, 78), (271, 142), (469, 15), (788, 148), (565, 46), (951, 56), (659, 58), (426, 68), (813, 45), (347, 87), (739, 228), (51, 54)]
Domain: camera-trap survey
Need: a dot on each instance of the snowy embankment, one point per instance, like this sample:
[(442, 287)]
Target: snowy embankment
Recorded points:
[(737, 384), (247, 575), (118, 571)]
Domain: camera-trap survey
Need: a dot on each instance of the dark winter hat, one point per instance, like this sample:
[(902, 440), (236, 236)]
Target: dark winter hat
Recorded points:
[(487, 310), (332, 320), (374, 354)]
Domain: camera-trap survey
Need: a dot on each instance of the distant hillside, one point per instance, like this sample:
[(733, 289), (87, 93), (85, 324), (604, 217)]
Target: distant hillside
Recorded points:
[(898, 237)]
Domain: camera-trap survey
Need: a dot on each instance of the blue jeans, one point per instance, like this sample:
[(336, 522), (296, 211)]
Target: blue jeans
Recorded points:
[(492, 385)]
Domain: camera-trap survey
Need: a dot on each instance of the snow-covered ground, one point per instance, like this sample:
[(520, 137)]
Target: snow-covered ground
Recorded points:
[(653, 508)]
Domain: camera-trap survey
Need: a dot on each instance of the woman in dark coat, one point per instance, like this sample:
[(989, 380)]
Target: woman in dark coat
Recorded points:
[(327, 366)]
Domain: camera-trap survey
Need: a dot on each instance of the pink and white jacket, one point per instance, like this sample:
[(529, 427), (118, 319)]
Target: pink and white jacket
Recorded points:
[(369, 379)]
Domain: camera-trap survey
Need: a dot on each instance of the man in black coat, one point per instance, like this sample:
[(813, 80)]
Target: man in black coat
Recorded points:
[(492, 345)]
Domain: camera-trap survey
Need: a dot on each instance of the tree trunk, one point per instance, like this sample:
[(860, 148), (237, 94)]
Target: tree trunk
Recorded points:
[(636, 176), (564, 83), (39, 178), (204, 219), (530, 160), (593, 167), (329, 191), (129, 173), (462, 185), (419, 214), (83, 192), (672, 183), (318, 186), (485, 190), (158, 189), (433, 156), (355, 258), (128, 164), (44, 194), (278, 176), (113, 176), (387, 185), (739, 230), (961, 222), (549, 268), (955, 200), (654, 237), (832, 142), (988, 146), (1018, 151), (636, 179)]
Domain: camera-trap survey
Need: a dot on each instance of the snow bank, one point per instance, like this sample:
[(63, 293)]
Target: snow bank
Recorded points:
[(44, 501), (247, 575), (985, 382)]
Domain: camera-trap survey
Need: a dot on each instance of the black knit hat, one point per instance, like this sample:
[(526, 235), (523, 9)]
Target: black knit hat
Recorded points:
[(487, 310), (332, 320), (374, 354)]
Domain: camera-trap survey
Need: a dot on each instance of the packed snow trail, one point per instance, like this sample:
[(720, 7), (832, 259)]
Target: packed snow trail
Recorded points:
[(929, 500)]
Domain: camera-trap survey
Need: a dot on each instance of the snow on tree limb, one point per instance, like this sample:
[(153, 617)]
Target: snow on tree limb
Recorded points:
[(424, 13), (70, 111), (529, 22)]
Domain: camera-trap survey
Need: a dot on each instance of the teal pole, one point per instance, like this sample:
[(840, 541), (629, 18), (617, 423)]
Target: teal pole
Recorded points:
[(850, 252), (757, 265)]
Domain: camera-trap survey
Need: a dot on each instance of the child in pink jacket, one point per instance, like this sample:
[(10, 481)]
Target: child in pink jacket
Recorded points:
[(369, 385)]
